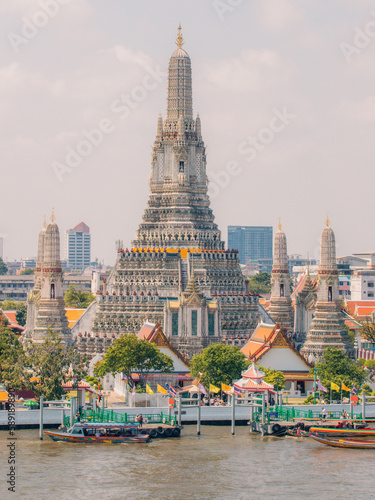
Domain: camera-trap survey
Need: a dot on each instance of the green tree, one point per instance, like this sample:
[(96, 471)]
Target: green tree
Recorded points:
[(370, 363), (50, 365), (129, 355), (93, 381), (367, 389), (367, 330), (274, 377), (218, 363), (21, 314), (78, 298), (27, 271), (3, 267), (336, 367), (351, 334), (259, 283), (12, 358)]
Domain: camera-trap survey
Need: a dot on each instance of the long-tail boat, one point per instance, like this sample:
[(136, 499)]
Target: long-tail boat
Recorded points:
[(100, 432), (341, 432), (345, 443)]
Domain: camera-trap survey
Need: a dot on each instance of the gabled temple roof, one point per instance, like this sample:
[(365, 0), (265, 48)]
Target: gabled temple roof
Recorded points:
[(153, 333), (305, 285), (360, 307), (255, 349)]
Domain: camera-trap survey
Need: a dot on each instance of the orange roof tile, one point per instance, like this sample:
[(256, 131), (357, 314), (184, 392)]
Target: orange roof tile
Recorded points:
[(352, 305), (146, 331), (364, 311), (73, 315)]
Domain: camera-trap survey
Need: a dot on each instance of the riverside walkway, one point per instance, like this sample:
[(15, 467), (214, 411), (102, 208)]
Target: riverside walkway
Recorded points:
[(213, 415)]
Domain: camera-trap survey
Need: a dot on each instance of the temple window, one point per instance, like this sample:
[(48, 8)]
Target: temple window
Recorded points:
[(181, 168), (194, 322), (211, 324), (282, 290), (52, 294), (329, 294), (174, 323)]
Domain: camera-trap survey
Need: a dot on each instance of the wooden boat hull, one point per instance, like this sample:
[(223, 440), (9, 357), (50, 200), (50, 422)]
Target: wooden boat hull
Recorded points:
[(345, 443), (74, 438), (335, 432)]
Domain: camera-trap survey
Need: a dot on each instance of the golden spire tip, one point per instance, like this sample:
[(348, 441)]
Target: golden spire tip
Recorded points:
[(179, 40), (280, 226), (327, 221), (45, 222), (53, 218)]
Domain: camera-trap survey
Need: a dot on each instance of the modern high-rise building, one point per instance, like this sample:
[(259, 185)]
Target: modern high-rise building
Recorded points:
[(253, 243), (78, 246)]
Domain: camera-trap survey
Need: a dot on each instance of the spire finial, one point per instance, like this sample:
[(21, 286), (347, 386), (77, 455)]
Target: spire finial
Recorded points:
[(327, 220), (45, 222), (179, 40), (53, 218), (280, 226), (308, 263)]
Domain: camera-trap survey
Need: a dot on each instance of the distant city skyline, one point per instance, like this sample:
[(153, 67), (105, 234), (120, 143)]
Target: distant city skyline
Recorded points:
[(284, 91)]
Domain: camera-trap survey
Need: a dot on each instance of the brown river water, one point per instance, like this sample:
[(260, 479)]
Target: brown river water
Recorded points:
[(214, 465)]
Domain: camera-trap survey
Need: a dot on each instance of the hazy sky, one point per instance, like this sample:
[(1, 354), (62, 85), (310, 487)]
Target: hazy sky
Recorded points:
[(294, 78)]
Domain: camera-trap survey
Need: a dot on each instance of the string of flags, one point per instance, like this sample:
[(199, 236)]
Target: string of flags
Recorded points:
[(336, 387)]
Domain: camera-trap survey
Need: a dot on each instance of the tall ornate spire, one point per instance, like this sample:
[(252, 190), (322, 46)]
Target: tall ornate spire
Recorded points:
[(280, 304), (327, 327), (180, 89), (178, 213), (47, 307)]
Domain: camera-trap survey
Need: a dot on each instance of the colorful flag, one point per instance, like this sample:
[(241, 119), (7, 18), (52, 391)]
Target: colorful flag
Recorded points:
[(225, 388), (354, 390), (344, 388), (237, 390), (202, 389), (321, 387), (172, 391), (133, 391), (161, 389), (214, 389), (334, 387), (149, 390)]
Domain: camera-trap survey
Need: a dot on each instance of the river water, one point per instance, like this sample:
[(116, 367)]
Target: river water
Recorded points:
[(214, 465)]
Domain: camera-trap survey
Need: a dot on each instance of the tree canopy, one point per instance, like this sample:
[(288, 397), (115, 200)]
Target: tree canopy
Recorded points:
[(3, 267), (218, 363), (11, 358), (336, 367), (259, 283), (368, 331), (274, 377), (21, 314), (78, 298), (50, 364), (129, 355), (27, 271)]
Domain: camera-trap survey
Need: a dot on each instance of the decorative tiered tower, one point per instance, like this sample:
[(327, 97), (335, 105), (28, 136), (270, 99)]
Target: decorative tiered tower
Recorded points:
[(46, 308), (327, 327), (281, 310), (177, 234), (178, 213)]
